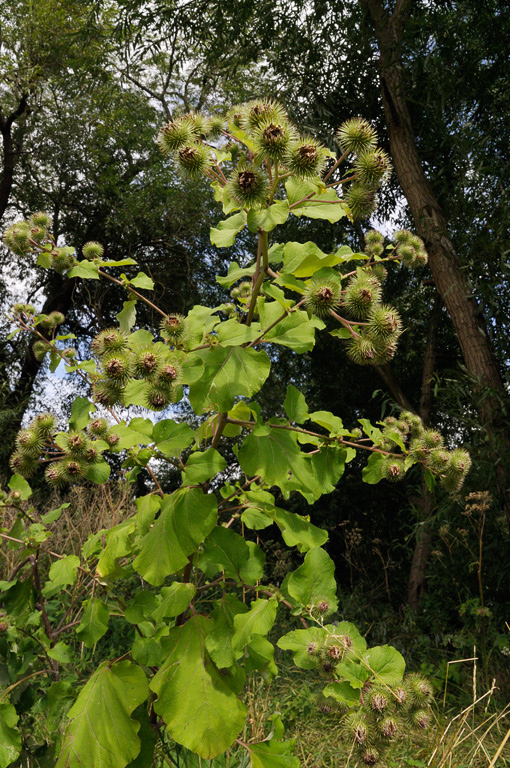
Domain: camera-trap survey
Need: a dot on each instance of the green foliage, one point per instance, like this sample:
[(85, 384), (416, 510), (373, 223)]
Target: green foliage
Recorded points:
[(205, 615)]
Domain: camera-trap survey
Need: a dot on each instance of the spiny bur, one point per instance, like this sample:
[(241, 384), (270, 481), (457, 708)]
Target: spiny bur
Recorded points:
[(321, 296), (248, 186), (305, 158), (356, 135)]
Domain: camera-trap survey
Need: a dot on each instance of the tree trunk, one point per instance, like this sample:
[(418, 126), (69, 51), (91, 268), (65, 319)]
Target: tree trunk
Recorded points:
[(9, 153), (431, 225)]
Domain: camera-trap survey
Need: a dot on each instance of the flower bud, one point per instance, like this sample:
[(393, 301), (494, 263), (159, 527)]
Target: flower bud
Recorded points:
[(393, 469), (305, 158), (40, 219), (248, 186), (255, 113), (92, 250), (377, 699), (17, 238), (61, 261), (389, 727), (98, 427), (363, 292), (356, 727), (420, 688), (72, 469), (169, 373), (383, 322), (193, 159), (173, 328), (54, 475), (370, 756), (107, 393), (361, 201), (76, 443), (24, 464), (438, 460), (109, 340), (321, 296), (117, 367), (158, 396), (356, 135), (176, 134), (372, 167), (44, 423), (361, 350), (146, 362), (271, 139)]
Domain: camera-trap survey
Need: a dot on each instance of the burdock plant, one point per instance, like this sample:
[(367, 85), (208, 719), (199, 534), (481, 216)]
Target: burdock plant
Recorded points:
[(209, 612)]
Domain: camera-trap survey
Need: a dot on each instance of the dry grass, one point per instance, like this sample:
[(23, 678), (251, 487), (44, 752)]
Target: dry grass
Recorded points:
[(476, 737), (90, 510)]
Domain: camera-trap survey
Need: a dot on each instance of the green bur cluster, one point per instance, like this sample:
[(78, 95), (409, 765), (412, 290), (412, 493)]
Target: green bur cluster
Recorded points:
[(376, 703), (424, 445), (67, 457), (202, 622), (385, 716), (121, 361)]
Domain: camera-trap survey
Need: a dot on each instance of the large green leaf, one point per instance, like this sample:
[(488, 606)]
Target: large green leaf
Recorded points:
[(187, 517), (227, 373), (19, 484), (86, 269), (127, 316), (317, 473), (224, 234), (199, 708), (386, 664), (296, 530), (94, 622), (231, 553), (232, 333), (295, 405), (10, 737), (373, 472), (202, 466), (174, 600), (270, 453), (235, 273), (142, 281), (80, 410), (258, 621), (273, 754), (296, 331), (314, 580), (343, 692), (219, 639), (304, 259), (355, 673), (63, 572), (259, 657), (118, 544), (172, 437), (268, 218), (101, 733)]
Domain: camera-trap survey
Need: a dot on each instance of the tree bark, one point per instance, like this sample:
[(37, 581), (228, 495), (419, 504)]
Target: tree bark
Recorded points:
[(9, 152), (431, 225)]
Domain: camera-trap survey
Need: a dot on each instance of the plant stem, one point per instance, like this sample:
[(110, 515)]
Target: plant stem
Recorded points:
[(263, 239), (132, 290)]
